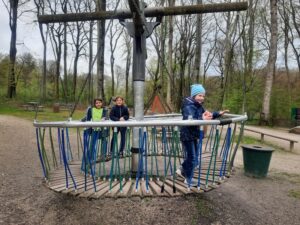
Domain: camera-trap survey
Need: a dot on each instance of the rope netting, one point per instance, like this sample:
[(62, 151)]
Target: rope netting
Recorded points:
[(87, 162)]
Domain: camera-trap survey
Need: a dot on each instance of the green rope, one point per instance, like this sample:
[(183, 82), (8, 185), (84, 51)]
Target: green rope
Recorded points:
[(54, 159), (44, 153), (216, 154), (127, 152), (233, 136), (174, 148), (210, 162), (79, 143), (237, 145)]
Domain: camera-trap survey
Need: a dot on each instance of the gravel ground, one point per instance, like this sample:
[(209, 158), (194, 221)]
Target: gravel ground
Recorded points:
[(241, 200)]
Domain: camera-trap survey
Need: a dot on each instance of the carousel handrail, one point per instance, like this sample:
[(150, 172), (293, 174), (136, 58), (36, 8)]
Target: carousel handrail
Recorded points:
[(229, 118)]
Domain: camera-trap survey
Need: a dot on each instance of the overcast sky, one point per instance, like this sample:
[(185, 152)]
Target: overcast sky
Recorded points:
[(28, 37)]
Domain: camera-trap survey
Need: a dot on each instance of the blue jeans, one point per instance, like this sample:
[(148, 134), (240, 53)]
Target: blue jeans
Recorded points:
[(190, 148), (122, 130)]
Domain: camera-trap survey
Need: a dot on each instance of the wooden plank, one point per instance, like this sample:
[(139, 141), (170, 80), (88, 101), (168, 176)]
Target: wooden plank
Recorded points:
[(192, 189), (61, 187), (81, 189), (178, 187), (126, 189), (138, 191), (146, 192), (80, 186), (167, 188), (101, 192), (157, 189), (115, 190), (91, 189)]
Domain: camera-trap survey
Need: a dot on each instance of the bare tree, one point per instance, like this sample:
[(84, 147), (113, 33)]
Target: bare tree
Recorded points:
[(65, 47), (265, 117), (184, 47), (294, 11), (286, 28), (101, 6), (198, 47), (128, 56), (12, 7), (40, 6), (170, 78), (114, 36), (247, 24), (57, 43), (79, 38)]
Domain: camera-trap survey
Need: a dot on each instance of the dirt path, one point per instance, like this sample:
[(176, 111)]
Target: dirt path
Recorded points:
[(242, 200)]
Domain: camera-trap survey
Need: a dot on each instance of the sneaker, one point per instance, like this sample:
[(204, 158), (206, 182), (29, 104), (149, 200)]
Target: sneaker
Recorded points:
[(180, 173), (193, 183)]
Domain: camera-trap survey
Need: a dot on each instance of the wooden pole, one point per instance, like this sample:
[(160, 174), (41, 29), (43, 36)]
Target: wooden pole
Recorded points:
[(148, 12)]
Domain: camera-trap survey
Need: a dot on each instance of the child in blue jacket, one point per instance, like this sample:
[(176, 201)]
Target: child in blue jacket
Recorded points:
[(119, 112), (192, 108)]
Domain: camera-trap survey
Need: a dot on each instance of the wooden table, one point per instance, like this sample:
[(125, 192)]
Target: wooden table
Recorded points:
[(32, 106)]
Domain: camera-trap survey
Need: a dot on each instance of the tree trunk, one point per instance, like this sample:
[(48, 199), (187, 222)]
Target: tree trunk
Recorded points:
[(128, 63), (170, 57), (248, 47), (40, 11), (57, 78), (65, 88), (265, 116), (198, 48), (101, 6), (90, 78), (13, 16)]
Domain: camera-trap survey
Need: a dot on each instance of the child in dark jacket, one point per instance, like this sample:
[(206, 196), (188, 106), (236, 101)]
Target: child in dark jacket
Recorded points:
[(119, 112), (192, 108)]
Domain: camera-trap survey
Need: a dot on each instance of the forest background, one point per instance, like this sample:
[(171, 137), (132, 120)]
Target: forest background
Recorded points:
[(248, 61)]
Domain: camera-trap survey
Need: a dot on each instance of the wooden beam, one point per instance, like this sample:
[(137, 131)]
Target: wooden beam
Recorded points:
[(149, 12)]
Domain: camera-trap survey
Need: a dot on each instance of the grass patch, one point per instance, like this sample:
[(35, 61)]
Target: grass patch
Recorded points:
[(16, 109), (294, 193), (249, 140), (290, 177)]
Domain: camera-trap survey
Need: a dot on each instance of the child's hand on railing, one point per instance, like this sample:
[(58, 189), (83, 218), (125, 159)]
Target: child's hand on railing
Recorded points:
[(223, 112), (207, 115)]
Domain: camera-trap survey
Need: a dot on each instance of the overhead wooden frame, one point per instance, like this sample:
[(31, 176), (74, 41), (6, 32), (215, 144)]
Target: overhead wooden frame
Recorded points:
[(148, 12)]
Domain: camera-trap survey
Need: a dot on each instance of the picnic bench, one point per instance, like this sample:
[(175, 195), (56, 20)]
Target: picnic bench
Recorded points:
[(263, 134), (33, 106), (62, 107)]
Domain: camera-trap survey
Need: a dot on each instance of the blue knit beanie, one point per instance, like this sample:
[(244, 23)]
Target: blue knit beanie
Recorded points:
[(197, 89)]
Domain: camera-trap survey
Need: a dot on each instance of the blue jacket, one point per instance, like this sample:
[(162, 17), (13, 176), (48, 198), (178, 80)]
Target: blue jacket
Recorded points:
[(190, 107), (117, 112)]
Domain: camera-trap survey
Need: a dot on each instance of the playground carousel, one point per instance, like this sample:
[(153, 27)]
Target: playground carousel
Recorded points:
[(84, 164)]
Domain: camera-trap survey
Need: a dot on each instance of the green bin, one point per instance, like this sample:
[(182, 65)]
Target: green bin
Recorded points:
[(256, 160)]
